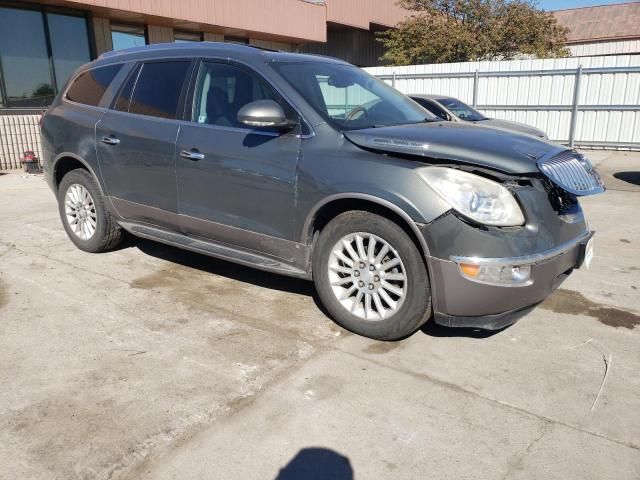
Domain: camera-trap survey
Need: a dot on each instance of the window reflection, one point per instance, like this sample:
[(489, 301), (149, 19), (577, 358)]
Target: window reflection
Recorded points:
[(69, 45), (25, 63), (127, 36)]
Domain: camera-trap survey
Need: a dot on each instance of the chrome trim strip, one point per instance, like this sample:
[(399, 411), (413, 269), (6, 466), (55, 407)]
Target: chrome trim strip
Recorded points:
[(527, 259), (573, 172)]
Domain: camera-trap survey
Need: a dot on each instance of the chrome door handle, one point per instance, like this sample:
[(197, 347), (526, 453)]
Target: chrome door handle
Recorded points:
[(111, 140), (192, 154)]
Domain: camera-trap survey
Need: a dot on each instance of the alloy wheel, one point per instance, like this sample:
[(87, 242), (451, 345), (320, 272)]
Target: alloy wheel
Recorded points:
[(80, 211), (367, 276)]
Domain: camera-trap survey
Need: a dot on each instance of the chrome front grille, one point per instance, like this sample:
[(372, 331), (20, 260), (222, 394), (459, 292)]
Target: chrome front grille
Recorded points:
[(572, 172)]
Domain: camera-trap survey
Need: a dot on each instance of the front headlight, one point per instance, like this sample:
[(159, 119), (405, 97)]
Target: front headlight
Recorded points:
[(475, 197)]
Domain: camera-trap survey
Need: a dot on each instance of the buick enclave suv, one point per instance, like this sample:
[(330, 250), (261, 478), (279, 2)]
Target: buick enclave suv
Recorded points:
[(309, 167)]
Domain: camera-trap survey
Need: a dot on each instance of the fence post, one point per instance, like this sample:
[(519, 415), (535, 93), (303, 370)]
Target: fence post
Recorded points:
[(476, 77), (574, 107), (393, 79)]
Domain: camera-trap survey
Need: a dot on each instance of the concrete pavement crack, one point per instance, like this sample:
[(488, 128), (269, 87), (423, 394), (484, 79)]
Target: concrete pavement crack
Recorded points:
[(500, 403), (62, 262), (517, 464)]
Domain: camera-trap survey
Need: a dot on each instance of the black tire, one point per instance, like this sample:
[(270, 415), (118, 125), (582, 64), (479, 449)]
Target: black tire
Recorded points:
[(415, 308), (108, 234)]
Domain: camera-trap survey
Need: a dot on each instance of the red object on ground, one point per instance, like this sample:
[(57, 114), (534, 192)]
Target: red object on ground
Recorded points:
[(30, 162)]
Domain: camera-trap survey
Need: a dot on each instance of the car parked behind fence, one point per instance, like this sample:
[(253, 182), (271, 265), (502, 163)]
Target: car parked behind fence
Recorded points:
[(453, 110)]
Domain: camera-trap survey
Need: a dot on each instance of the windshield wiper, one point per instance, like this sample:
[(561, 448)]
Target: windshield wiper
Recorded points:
[(426, 120)]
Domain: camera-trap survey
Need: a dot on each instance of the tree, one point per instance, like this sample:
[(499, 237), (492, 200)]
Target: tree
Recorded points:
[(441, 31)]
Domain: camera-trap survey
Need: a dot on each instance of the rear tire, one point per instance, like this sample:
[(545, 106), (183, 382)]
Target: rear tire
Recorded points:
[(85, 218), (346, 271)]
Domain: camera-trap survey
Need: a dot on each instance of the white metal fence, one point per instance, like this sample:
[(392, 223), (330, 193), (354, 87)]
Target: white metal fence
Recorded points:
[(587, 101)]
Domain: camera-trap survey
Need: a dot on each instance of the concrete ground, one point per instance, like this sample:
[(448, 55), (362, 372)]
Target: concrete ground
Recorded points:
[(153, 363)]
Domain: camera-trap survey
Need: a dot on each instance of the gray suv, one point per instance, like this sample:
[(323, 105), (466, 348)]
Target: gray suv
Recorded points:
[(307, 166)]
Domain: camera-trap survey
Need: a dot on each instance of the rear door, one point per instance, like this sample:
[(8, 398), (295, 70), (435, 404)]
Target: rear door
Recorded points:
[(239, 185), (136, 142)]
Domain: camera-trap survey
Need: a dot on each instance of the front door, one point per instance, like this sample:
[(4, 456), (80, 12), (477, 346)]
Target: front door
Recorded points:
[(236, 184), (136, 143)]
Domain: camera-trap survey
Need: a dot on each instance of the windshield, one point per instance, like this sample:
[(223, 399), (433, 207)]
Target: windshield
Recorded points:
[(349, 98), (462, 110)]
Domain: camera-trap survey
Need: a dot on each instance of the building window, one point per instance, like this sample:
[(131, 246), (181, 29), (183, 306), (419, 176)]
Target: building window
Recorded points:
[(38, 53), (185, 37), (69, 52), (127, 36), (239, 40)]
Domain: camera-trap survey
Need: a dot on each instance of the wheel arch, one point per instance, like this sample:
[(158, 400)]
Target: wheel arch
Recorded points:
[(67, 161), (327, 209)]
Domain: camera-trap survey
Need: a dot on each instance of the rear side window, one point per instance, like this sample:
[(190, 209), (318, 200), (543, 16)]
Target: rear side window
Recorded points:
[(89, 87), (156, 92)]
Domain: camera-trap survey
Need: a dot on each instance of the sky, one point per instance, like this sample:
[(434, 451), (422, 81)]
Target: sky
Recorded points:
[(562, 4)]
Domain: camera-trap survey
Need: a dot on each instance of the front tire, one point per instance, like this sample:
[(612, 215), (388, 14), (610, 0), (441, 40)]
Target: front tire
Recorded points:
[(85, 218), (371, 277)]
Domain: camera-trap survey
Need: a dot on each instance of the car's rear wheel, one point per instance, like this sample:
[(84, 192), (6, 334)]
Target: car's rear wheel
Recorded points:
[(370, 276), (85, 218)]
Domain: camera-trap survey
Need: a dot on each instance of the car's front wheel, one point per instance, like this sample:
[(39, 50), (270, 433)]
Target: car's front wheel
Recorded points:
[(88, 223), (371, 277)]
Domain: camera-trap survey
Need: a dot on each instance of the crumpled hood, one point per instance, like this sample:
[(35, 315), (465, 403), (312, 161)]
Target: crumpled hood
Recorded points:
[(513, 126), (461, 143)]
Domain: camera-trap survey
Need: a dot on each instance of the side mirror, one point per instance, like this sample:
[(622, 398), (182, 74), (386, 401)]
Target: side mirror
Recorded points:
[(263, 113)]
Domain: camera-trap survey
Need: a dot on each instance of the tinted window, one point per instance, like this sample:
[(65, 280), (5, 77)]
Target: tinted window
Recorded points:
[(124, 99), (223, 89), (433, 108), (25, 62), (462, 110), (90, 86), (69, 45), (158, 88), (26, 76)]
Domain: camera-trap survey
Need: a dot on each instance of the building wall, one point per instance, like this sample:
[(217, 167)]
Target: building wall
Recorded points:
[(18, 133), (353, 45), (102, 35), (213, 37), (296, 19), (363, 13), (619, 47), (272, 45), (158, 34)]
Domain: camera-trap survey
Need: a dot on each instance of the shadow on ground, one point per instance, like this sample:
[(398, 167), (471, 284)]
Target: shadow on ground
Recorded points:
[(629, 177), (269, 280), (317, 464), (432, 329)]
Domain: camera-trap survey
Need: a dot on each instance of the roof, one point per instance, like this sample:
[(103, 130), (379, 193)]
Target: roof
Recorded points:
[(605, 22)]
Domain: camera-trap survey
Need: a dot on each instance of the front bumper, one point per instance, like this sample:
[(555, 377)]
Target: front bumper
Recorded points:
[(462, 302)]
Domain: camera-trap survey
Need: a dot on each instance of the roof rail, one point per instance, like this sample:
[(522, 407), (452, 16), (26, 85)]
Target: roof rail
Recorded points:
[(178, 46)]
